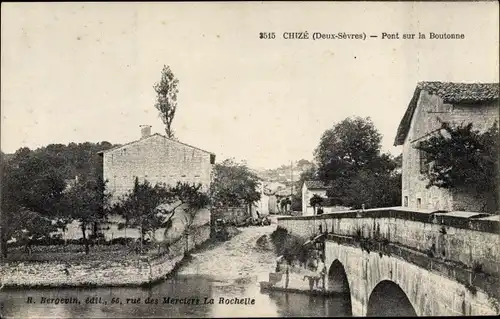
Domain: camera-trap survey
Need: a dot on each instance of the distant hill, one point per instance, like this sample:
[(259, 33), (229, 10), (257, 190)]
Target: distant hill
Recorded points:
[(285, 173)]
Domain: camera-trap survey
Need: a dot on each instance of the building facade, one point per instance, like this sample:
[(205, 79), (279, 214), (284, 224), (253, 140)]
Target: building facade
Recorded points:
[(309, 189), (432, 104), (157, 159)]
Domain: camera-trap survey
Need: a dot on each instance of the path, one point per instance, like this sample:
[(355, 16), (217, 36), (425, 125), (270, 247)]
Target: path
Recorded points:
[(236, 260)]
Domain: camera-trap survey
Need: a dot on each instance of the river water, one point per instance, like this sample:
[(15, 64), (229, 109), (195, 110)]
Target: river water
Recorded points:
[(227, 270), (197, 296)]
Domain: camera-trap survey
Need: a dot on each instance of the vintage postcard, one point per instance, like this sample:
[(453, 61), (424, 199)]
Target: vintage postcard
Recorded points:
[(249, 159)]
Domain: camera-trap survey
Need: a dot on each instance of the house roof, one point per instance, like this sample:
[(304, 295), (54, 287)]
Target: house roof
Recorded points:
[(453, 93), (315, 185), (156, 134)]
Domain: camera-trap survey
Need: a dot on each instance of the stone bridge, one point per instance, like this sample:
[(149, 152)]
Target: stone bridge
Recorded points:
[(394, 262)]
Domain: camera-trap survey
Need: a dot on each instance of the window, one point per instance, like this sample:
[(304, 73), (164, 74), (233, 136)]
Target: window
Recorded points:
[(419, 202), (405, 201), (423, 161), (212, 159)]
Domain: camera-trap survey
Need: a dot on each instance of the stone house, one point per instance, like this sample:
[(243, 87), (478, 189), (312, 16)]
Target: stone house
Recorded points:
[(157, 159), (432, 104), (309, 189)]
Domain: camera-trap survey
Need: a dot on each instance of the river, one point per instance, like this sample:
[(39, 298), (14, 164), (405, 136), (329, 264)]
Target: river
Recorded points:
[(230, 270), (198, 291)]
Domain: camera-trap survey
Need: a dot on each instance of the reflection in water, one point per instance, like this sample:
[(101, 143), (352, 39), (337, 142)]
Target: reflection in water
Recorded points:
[(124, 302), (303, 305)]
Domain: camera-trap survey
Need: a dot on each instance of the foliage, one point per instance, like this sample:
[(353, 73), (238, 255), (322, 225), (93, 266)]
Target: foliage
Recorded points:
[(296, 202), (350, 162), (368, 188), (348, 146), (150, 207), (306, 175), (284, 203), (86, 202), (31, 190), (304, 164), (166, 98), (316, 200), (289, 246), (462, 158), (39, 178), (234, 184)]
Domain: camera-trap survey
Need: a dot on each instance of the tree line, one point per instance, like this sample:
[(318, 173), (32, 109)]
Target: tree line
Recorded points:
[(40, 195), (349, 160)]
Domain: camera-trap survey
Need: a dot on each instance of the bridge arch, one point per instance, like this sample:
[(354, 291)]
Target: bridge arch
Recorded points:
[(387, 299), (338, 283)]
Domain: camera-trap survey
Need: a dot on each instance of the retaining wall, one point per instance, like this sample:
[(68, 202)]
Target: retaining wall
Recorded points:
[(123, 273)]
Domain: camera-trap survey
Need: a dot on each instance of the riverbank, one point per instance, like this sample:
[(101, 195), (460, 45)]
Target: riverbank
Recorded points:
[(138, 272)]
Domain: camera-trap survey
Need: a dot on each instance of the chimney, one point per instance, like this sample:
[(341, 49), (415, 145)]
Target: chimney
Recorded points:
[(145, 131)]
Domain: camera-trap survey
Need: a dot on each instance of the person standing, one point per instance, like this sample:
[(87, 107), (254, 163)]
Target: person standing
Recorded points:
[(287, 273), (321, 272), (278, 262)]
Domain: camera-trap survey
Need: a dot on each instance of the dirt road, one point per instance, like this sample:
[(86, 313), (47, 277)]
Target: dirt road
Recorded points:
[(236, 260)]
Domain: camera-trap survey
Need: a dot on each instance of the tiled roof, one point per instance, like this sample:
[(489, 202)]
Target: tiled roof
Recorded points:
[(315, 185), (156, 134), (453, 93)]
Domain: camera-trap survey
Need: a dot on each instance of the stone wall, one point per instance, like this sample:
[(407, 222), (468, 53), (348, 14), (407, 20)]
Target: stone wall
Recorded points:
[(461, 240), (231, 214), (424, 122), (111, 230), (158, 160), (123, 273)]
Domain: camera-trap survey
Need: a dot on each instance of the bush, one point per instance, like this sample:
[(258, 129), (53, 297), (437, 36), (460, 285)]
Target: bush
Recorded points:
[(120, 241), (289, 246)]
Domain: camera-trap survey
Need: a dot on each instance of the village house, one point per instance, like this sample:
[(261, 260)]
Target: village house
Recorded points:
[(432, 104), (157, 159), (309, 189)]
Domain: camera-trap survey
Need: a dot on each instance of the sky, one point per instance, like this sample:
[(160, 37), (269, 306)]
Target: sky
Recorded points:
[(76, 72)]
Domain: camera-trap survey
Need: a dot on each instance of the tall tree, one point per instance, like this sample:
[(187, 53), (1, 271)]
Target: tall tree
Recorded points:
[(166, 98), (350, 162), (86, 202), (348, 146), (234, 184)]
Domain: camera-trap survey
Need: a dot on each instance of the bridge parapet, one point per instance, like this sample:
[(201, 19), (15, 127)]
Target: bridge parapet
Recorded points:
[(473, 243)]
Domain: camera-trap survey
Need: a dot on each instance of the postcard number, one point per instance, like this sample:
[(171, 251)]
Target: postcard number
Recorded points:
[(267, 35)]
